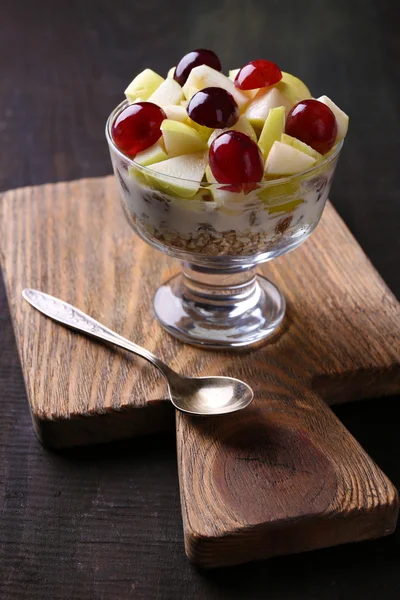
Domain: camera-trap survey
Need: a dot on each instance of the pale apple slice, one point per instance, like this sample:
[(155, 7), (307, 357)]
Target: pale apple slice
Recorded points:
[(169, 92), (180, 176), (293, 88), (209, 175), (242, 125), (264, 100), (292, 141), (180, 139), (143, 86), (272, 130), (190, 91), (286, 160), (151, 155), (204, 76), (204, 131), (171, 73), (342, 119), (176, 112)]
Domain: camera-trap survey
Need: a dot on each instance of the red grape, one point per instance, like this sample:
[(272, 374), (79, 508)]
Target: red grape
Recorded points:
[(235, 158), (137, 127), (257, 74), (213, 107), (313, 123), (195, 59)]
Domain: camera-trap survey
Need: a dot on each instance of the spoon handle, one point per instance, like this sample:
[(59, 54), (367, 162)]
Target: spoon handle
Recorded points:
[(76, 319)]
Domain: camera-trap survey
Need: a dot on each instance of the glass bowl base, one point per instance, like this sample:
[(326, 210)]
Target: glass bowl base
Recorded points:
[(233, 311)]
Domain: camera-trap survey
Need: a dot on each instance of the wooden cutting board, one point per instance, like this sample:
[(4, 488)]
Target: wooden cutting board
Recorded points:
[(284, 475)]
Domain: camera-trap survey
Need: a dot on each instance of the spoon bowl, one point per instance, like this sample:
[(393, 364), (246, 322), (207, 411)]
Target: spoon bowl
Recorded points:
[(203, 396), (209, 395)]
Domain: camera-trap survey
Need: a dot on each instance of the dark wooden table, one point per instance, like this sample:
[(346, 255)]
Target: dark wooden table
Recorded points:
[(104, 523)]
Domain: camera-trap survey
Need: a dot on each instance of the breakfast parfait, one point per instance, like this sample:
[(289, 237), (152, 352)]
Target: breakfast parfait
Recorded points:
[(211, 165)]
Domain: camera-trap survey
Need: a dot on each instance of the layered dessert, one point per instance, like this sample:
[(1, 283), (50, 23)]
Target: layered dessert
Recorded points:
[(224, 165)]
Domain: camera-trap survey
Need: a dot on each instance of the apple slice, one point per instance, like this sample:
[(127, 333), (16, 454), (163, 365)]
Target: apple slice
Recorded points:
[(293, 88), (209, 175), (189, 92), (292, 141), (204, 131), (342, 119), (180, 139), (272, 131), (264, 100), (151, 155), (204, 76), (286, 160), (188, 171), (169, 92), (242, 125), (143, 85), (171, 73), (176, 112)]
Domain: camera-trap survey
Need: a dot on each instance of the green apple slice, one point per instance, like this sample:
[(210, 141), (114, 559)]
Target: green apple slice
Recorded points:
[(264, 100), (190, 91), (242, 125), (342, 119), (204, 131), (291, 141), (188, 168), (204, 76), (209, 175), (143, 86), (272, 130), (285, 207), (293, 88), (273, 195), (180, 139), (169, 92), (286, 160), (176, 112), (171, 73), (151, 155)]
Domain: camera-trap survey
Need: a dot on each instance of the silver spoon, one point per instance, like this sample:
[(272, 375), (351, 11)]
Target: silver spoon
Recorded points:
[(204, 396)]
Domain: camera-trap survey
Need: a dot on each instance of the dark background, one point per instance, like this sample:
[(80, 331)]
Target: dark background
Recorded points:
[(104, 523)]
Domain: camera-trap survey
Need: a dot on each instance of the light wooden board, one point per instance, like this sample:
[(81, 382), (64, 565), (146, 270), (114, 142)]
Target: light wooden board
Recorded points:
[(285, 475)]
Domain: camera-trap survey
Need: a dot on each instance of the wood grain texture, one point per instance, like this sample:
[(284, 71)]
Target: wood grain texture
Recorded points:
[(282, 477), (106, 524)]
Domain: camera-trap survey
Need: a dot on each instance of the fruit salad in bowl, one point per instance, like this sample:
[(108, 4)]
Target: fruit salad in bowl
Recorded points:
[(223, 172)]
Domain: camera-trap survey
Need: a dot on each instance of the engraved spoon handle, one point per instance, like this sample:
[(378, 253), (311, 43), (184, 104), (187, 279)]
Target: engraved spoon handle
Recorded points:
[(76, 319)]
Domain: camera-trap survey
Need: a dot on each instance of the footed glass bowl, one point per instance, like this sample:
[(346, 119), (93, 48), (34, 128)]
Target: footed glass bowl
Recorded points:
[(220, 235)]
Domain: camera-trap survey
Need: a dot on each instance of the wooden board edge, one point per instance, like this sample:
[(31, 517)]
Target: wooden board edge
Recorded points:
[(260, 543), (112, 426)]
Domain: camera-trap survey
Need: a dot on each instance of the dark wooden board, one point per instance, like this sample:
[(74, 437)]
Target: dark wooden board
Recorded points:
[(238, 474), (63, 65)]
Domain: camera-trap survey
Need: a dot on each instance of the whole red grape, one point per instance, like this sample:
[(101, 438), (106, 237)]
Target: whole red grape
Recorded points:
[(257, 74), (213, 107), (313, 123), (137, 127), (195, 58), (235, 158)]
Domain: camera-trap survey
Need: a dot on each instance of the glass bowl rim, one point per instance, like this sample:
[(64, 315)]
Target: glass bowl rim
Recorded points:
[(262, 184)]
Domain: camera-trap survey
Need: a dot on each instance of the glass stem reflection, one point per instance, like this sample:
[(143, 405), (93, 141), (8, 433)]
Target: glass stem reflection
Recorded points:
[(218, 294)]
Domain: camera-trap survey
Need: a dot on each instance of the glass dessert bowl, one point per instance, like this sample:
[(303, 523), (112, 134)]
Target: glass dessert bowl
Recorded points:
[(218, 230)]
